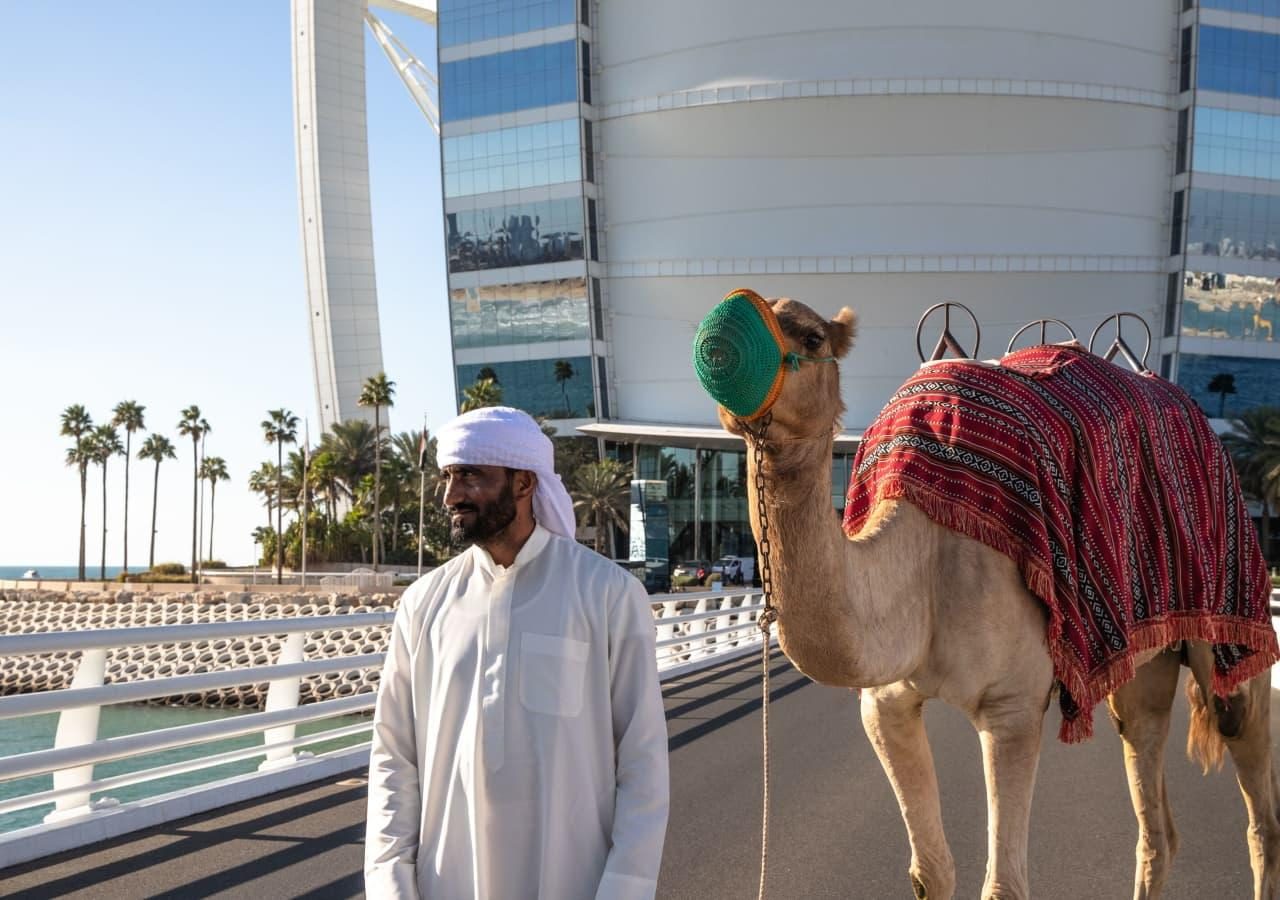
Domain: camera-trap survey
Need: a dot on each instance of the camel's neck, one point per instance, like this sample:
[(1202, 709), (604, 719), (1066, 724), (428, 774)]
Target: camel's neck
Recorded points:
[(851, 612)]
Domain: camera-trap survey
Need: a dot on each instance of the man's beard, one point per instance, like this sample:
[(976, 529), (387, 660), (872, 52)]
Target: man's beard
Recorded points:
[(489, 521)]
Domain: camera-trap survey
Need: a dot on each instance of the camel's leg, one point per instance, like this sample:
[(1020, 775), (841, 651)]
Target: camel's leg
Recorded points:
[(1009, 727), (1250, 749), (893, 719), (1141, 712)]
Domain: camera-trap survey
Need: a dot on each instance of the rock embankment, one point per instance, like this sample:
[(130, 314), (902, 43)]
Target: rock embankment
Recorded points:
[(27, 611)]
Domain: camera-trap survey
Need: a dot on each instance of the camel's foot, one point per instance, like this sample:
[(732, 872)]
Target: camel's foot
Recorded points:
[(937, 884)]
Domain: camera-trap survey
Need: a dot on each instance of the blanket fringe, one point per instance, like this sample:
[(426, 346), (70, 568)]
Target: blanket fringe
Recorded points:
[(1088, 689)]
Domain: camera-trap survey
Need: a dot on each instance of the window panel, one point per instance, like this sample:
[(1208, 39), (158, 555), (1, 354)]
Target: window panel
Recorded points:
[(1233, 224), (506, 82), (1235, 61), (463, 22), (529, 313), (1255, 382), (513, 158), (1226, 306), (557, 388)]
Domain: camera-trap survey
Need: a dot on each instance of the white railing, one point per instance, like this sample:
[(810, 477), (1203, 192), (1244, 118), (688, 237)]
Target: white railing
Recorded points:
[(693, 631)]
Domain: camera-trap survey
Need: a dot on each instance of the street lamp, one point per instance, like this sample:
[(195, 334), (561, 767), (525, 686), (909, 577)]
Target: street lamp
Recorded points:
[(255, 559)]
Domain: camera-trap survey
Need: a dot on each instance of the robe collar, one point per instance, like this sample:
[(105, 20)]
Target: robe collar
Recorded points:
[(536, 543)]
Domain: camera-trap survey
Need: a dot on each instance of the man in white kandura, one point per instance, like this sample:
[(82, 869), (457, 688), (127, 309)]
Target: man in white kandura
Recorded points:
[(519, 743)]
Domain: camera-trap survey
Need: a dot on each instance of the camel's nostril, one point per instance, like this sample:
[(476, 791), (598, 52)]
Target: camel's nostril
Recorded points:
[(918, 889)]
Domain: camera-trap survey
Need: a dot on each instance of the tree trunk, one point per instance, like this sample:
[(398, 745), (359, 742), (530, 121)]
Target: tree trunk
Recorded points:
[(195, 501), (128, 449), (213, 500), (84, 498), (279, 512), (102, 568), (155, 494), (395, 524), (377, 482)]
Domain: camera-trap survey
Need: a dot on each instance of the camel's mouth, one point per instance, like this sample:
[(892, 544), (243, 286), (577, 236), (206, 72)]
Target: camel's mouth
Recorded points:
[(740, 355)]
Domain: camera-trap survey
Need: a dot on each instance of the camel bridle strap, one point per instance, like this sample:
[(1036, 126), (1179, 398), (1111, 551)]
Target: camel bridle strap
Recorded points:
[(757, 439)]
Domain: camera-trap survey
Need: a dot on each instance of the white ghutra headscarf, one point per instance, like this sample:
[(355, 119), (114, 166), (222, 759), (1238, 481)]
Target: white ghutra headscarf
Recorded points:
[(502, 436)]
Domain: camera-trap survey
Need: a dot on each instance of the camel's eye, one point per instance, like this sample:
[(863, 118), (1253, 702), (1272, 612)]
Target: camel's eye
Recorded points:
[(813, 340)]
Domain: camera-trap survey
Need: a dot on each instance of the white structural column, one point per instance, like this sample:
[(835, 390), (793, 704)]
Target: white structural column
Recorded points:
[(333, 194)]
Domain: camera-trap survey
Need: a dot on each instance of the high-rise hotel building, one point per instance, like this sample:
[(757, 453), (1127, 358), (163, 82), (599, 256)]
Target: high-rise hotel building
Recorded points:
[(611, 169)]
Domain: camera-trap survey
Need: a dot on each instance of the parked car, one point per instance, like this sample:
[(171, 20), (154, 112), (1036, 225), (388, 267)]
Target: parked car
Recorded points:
[(651, 572), (735, 569), (692, 568)]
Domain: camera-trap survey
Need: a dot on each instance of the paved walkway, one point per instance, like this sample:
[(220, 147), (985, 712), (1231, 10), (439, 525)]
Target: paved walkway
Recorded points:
[(836, 831)]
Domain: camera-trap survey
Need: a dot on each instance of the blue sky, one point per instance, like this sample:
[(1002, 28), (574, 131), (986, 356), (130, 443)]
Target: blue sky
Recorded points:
[(150, 251)]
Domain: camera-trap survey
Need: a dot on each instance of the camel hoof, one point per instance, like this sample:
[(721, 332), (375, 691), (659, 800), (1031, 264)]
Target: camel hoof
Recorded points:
[(917, 887)]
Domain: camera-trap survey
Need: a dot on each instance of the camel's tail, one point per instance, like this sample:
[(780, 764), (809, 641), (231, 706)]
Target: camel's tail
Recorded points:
[(1213, 719)]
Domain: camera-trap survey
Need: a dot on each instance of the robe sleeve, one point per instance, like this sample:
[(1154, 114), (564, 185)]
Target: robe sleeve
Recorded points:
[(395, 797), (640, 742)]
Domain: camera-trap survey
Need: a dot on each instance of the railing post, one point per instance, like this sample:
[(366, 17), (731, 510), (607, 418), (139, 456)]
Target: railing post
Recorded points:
[(75, 727), (283, 694)]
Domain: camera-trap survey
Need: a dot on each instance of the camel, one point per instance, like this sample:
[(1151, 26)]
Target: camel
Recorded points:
[(908, 611)]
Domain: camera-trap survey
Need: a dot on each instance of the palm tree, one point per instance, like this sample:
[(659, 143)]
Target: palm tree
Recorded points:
[(262, 480), (377, 392), (280, 428), (564, 371), (106, 444), (601, 491), (325, 478), (76, 424), (1254, 444), (193, 426), (158, 448), (127, 415), (1222, 384), (486, 372), (485, 392), (213, 470)]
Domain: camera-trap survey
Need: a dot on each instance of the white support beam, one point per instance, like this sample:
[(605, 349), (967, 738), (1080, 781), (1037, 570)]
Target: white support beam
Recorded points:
[(417, 78)]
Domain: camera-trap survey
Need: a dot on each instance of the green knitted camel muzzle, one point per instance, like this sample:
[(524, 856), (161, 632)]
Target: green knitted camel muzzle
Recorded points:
[(741, 356)]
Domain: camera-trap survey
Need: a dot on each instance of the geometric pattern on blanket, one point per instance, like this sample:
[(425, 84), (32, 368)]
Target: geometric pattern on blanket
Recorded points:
[(1107, 488)]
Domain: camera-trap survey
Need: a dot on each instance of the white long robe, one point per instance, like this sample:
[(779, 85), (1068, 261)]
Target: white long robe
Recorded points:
[(519, 742)]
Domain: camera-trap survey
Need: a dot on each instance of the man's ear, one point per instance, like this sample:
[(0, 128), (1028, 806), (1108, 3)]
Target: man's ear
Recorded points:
[(841, 332), (524, 484)]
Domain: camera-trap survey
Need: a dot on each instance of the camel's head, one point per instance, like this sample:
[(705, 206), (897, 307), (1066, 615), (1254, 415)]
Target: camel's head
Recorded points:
[(774, 356)]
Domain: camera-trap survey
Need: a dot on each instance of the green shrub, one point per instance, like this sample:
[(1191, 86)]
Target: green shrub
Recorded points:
[(215, 564), (170, 568), (683, 581), (713, 579)]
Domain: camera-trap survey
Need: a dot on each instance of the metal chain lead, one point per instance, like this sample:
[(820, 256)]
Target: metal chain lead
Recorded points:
[(768, 616)]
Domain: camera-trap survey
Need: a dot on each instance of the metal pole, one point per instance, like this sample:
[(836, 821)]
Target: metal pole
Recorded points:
[(422, 493), (200, 538), (255, 562), (306, 453)]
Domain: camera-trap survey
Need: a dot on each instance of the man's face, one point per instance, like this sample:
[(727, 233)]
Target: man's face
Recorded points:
[(480, 500)]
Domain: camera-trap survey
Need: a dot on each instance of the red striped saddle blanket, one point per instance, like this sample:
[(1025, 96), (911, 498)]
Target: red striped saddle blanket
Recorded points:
[(1107, 488)]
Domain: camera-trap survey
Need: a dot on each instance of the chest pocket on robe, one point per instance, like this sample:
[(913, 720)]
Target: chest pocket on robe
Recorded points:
[(552, 673)]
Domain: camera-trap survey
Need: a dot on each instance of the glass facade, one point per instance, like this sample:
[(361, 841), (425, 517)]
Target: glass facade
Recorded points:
[(555, 388), (529, 313), (512, 158), (467, 21), (1232, 224), (516, 235), (1242, 144), (1231, 307), (1252, 7), (506, 82), (1226, 386), (1235, 61)]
